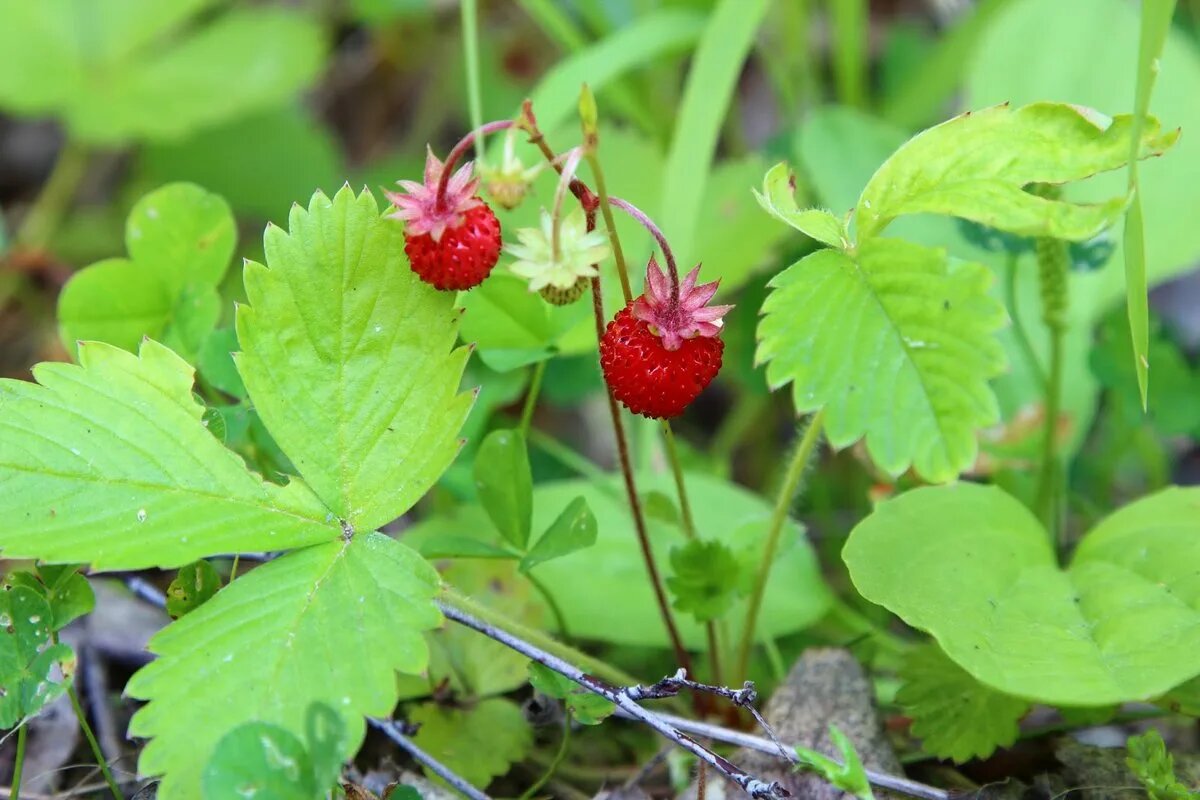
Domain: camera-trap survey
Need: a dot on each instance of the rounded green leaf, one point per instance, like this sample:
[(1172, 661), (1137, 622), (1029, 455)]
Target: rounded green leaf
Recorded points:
[(262, 761), (505, 484), (26, 655), (972, 566), (896, 343), (195, 584), (573, 530), (478, 742), (350, 359)]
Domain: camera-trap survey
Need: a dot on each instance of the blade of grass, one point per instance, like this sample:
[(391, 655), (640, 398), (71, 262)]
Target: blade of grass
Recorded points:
[(920, 98), (723, 49), (1156, 23), (849, 20)]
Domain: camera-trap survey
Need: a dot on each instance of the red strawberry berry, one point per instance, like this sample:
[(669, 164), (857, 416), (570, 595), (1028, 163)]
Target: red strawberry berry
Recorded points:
[(663, 349), (451, 236), (464, 256)]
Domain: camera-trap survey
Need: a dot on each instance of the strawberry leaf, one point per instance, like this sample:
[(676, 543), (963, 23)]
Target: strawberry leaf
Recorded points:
[(477, 742), (896, 343), (108, 463), (329, 624), (350, 359), (121, 69), (706, 578)]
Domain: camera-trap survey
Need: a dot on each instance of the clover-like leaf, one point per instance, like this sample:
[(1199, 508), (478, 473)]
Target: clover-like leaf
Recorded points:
[(586, 707), (973, 567), (350, 359), (954, 715), (68, 593), (778, 198), (572, 530), (108, 463), (478, 742), (140, 69), (896, 344), (976, 166), (329, 624), (706, 578), (505, 484), (27, 656), (179, 238), (195, 585)]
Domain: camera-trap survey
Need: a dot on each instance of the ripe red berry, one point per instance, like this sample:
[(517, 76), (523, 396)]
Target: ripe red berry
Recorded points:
[(648, 378), (463, 257)]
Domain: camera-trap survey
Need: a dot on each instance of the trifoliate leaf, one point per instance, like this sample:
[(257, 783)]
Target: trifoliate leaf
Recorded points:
[(1154, 767), (505, 484), (26, 656), (67, 592), (977, 166), (954, 715), (142, 69), (849, 776), (896, 344), (778, 198), (478, 742), (329, 624), (705, 578), (108, 463), (573, 530), (179, 238), (350, 359), (972, 566), (587, 708), (195, 584)]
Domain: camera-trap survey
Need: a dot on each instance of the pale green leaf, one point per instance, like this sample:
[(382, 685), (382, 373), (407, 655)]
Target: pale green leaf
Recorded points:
[(1148, 759), (478, 742), (602, 590), (572, 531), (705, 578), (108, 463), (972, 566), (954, 715), (27, 656), (505, 485), (180, 238), (896, 344), (329, 624), (976, 166), (584, 706), (848, 775), (350, 359), (778, 198), (133, 69)]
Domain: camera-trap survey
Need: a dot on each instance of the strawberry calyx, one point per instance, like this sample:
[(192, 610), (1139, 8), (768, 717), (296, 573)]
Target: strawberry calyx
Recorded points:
[(675, 313)]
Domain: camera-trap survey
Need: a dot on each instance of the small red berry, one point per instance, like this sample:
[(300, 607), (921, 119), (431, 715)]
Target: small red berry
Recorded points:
[(648, 378), (465, 255), (451, 237), (663, 349)]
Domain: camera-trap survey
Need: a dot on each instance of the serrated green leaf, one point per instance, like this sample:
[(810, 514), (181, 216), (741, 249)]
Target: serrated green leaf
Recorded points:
[(117, 70), (834, 325), (26, 656), (180, 239), (971, 565), (849, 776), (1148, 759), (329, 624), (478, 743), (705, 580), (976, 166), (778, 198), (505, 485), (108, 463), (368, 407), (587, 708), (195, 585), (573, 530), (954, 715)]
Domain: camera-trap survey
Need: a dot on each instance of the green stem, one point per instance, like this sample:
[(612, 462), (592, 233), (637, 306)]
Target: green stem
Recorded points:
[(783, 504), (234, 567), (470, 33), (591, 147), (18, 764), (1019, 331), (685, 507), (91, 739), (531, 398), (555, 609), (558, 759), (595, 666), (44, 217)]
